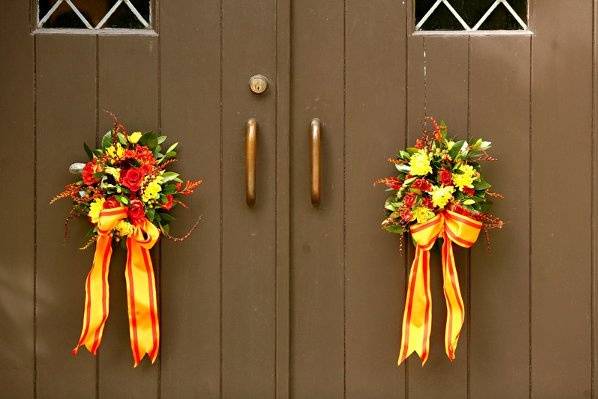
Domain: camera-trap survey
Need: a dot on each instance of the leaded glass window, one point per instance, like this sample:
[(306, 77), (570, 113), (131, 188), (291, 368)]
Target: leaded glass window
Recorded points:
[(94, 14), (470, 15)]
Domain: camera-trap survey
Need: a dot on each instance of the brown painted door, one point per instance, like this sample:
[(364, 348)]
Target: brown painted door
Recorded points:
[(287, 299)]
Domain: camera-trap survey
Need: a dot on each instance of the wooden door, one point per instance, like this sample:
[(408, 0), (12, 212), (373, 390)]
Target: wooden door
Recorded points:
[(287, 299)]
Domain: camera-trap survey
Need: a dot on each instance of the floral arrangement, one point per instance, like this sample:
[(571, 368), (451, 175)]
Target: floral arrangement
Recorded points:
[(129, 170), (439, 173), (438, 192), (127, 193)]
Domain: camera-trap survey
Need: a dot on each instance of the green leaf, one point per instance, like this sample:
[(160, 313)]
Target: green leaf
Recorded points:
[(468, 202), (412, 150), (88, 150), (122, 199), (172, 147), (169, 176), (122, 139), (169, 189), (454, 151), (165, 228), (394, 228), (161, 139), (150, 140), (481, 184), (150, 213), (107, 139)]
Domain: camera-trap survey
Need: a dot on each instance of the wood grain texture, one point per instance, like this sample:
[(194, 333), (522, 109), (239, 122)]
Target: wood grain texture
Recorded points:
[(190, 270), (317, 238), (66, 114), (446, 89), (128, 87), (17, 174), (561, 112), (249, 253), (499, 293), (375, 128)]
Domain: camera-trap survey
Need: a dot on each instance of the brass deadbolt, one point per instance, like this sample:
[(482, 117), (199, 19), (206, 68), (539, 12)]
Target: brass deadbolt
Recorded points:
[(258, 84)]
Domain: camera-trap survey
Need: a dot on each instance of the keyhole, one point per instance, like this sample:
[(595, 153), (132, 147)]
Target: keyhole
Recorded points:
[(258, 84)]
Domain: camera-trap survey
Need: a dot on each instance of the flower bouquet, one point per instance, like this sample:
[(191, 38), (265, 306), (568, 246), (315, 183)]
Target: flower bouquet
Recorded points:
[(127, 193), (438, 192)]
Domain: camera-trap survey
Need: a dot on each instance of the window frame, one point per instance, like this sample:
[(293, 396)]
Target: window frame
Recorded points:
[(470, 32), (150, 30)]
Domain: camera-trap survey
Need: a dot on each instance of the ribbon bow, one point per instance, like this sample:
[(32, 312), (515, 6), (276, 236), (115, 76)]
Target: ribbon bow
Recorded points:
[(141, 288), (417, 317)]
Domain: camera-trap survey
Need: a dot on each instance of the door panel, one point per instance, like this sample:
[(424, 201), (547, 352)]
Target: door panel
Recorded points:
[(248, 234), (190, 270), (135, 101), (376, 107), (17, 268), (62, 124), (496, 371), (443, 93), (317, 240)]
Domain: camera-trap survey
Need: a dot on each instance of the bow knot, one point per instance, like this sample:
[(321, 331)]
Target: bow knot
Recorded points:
[(417, 317), (141, 287)]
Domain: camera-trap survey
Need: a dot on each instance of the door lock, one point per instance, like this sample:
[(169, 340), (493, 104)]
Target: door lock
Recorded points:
[(258, 84)]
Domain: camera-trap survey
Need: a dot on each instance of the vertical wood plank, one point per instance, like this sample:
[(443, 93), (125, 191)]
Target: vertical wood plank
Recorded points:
[(190, 271), (499, 293), (283, 185), (446, 89), (375, 126), (561, 224), (66, 115), (128, 87), (17, 177), (317, 239), (248, 247), (594, 203)]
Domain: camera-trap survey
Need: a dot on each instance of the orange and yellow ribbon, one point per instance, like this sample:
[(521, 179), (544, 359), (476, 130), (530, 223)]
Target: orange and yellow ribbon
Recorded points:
[(417, 317), (141, 288)]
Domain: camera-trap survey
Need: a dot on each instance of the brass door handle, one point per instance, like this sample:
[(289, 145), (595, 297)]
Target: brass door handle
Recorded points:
[(250, 150), (314, 149)]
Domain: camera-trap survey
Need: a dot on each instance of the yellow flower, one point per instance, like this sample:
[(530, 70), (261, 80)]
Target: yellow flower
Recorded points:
[(115, 172), (423, 214), (95, 208), (442, 195), (466, 178), (134, 137), (152, 190), (115, 152), (124, 228), (419, 164)]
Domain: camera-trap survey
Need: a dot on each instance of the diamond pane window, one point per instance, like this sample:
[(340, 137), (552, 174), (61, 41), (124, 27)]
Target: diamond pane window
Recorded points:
[(470, 15), (94, 14)]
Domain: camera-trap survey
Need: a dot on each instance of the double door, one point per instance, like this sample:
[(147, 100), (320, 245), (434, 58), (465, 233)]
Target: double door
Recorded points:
[(287, 298)]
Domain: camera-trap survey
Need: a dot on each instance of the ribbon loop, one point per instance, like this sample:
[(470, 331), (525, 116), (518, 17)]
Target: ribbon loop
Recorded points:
[(141, 288), (417, 316)]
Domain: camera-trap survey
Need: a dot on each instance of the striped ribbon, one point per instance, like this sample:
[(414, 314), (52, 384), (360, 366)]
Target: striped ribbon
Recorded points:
[(141, 288), (417, 316)]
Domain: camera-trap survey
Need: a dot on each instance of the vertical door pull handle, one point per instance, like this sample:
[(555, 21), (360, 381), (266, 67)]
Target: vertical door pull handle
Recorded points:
[(315, 137), (250, 150)]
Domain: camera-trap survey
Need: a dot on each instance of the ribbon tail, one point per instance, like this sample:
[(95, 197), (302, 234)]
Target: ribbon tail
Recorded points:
[(97, 297), (142, 303), (417, 316), (455, 311)]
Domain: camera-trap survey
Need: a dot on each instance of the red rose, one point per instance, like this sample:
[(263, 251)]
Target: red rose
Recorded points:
[(169, 202), (409, 200), (468, 191), (132, 178), (136, 211), (406, 215), (88, 172), (422, 184), (445, 177), (427, 201), (111, 203)]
